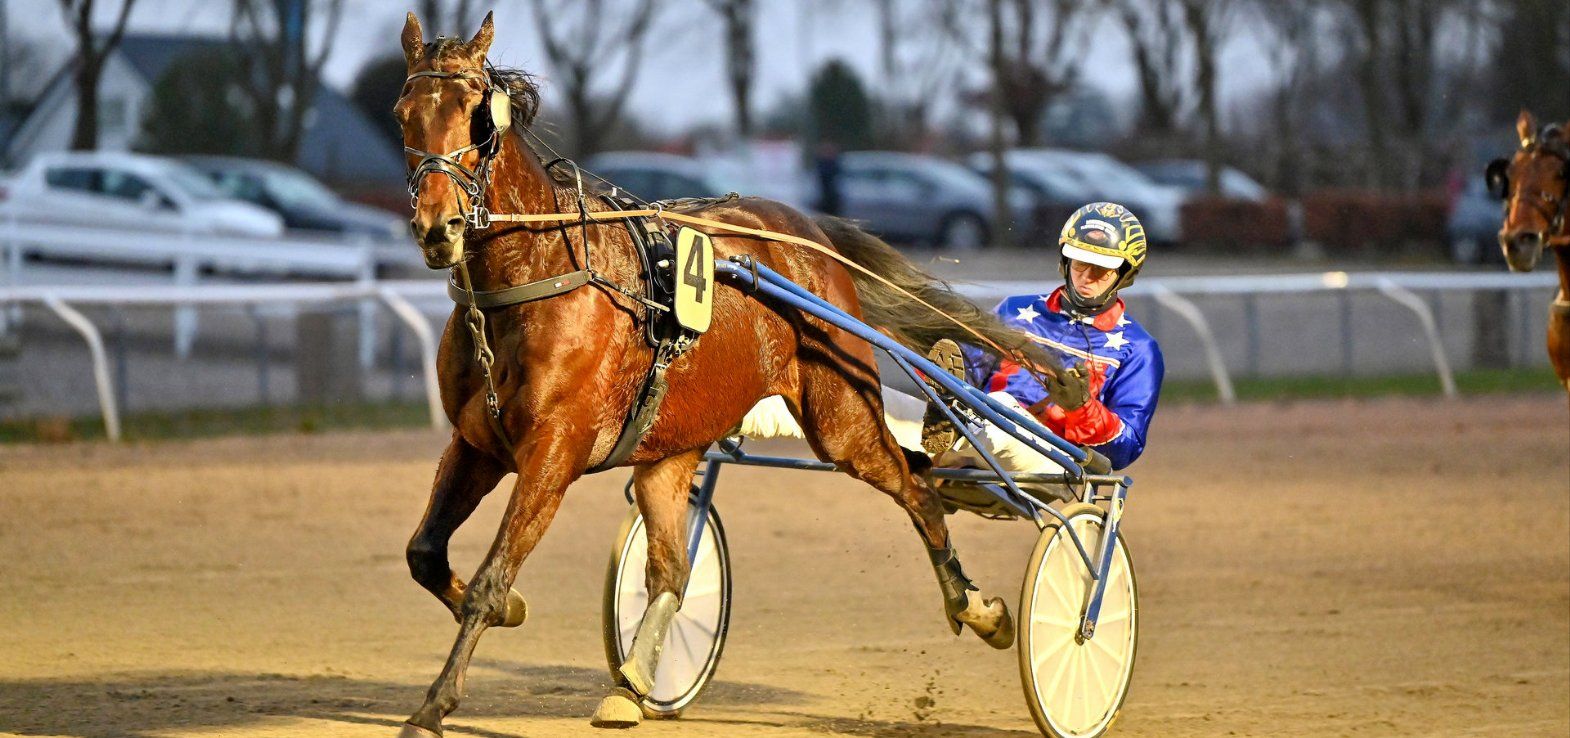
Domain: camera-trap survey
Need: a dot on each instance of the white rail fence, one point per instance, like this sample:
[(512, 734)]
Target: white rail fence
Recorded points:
[(188, 256), (404, 298)]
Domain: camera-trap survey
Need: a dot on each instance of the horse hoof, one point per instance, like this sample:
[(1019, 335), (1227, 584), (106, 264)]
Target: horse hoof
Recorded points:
[(990, 620), (411, 730), (517, 610), (617, 710), (1003, 637)]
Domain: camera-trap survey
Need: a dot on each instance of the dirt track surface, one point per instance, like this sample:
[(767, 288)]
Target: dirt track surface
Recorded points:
[(1380, 568)]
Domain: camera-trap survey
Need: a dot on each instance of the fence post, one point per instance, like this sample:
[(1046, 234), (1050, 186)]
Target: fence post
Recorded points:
[(95, 347), (367, 307), (1190, 312), (427, 340), (1409, 300), (185, 269), (11, 315)]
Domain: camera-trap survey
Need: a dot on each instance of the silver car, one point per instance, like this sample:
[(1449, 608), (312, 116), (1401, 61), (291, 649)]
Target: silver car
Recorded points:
[(129, 192), (921, 199)]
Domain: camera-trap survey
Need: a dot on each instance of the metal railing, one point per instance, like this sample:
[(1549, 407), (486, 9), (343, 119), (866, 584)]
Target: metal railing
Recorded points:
[(401, 298), (188, 255), (1175, 294)]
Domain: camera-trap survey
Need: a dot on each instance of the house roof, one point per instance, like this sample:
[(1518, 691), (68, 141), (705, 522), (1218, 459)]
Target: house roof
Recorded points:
[(340, 144), (151, 54)]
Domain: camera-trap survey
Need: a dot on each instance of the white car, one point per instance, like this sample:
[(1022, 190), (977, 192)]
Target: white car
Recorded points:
[(1158, 207), (101, 189)]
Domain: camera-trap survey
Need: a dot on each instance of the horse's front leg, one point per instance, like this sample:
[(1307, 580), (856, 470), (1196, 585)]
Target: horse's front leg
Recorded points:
[(463, 478), (545, 470), (662, 489)]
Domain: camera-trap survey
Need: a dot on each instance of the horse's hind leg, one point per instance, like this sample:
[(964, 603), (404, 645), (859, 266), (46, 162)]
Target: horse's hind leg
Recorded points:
[(843, 420), (464, 476), (662, 489)]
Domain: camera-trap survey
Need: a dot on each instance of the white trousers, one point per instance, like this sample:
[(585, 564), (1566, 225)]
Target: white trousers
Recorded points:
[(904, 414)]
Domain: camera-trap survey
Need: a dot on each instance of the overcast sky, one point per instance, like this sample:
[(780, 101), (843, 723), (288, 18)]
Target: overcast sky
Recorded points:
[(677, 87)]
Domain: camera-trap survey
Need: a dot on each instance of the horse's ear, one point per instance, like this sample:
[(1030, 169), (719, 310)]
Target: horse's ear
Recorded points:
[(1525, 127), (480, 45), (413, 41)]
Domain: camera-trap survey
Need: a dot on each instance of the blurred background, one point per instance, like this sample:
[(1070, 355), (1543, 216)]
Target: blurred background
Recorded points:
[(1310, 173)]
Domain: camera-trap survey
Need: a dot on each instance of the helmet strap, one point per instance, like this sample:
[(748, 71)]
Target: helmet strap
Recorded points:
[(1083, 306)]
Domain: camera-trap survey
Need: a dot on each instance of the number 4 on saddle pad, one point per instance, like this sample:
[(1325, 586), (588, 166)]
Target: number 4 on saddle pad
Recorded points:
[(694, 280)]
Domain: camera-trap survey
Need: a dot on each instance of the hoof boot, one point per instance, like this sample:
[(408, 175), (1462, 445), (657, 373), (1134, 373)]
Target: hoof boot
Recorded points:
[(619, 709), (517, 610), (636, 679), (410, 730)]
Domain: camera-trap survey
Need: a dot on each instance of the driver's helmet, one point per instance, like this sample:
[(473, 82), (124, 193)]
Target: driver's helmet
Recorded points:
[(1105, 234)]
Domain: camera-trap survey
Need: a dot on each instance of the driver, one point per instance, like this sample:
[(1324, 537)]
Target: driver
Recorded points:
[(1107, 396)]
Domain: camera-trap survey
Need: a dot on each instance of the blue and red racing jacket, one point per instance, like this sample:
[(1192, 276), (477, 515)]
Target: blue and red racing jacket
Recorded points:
[(1125, 380)]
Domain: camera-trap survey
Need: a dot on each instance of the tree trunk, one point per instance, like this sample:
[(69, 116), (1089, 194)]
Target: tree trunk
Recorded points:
[(1200, 21), (1000, 174), (1369, 83), (739, 18), (85, 135)]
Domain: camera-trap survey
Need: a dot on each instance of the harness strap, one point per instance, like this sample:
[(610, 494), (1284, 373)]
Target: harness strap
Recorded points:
[(744, 230), (536, 290)]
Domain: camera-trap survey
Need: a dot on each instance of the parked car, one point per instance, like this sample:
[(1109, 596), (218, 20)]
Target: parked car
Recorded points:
[(1055, 195), (304, 203), (1106, 178), (1472, 228), (128, 191), (654, 176), (921, 199), (1189, 175)]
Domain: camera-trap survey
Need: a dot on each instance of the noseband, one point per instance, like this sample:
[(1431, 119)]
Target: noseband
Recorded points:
[(471, 181)]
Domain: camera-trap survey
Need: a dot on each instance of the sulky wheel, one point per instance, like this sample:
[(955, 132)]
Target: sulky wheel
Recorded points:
[(1075, 688), (697, 634)]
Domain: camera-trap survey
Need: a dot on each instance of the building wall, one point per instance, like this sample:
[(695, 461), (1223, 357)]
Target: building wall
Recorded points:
[(122, 96)]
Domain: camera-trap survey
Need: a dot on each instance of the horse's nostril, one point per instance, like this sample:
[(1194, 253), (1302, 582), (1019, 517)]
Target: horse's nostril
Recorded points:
[(455, 224)]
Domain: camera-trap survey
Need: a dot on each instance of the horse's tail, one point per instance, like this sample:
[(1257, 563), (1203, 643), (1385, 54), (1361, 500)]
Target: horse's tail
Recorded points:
[(910, 323)]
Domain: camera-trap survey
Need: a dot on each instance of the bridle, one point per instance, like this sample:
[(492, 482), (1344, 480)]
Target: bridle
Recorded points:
[(471, 181), (1551, 141)]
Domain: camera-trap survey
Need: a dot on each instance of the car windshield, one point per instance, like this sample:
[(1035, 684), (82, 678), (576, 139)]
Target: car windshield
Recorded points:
[(192, 183), (293, 189)]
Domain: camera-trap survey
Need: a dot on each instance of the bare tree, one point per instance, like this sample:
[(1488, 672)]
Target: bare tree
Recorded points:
[(739, 18), (280, 74), (1157, 33), (917, 59), (462, 16), (1039, 56), (1293, 53), (583, 42), (1207, 21), (91, 53)]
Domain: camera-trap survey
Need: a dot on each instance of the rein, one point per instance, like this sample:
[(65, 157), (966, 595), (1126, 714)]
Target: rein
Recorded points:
[(663, 214), (474, 182)]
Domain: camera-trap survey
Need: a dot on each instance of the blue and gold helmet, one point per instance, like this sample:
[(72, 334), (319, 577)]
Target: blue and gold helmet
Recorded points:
[(1105, 234)]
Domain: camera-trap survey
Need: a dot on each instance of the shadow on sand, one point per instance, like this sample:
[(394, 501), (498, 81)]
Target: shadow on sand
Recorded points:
[(154, 703)]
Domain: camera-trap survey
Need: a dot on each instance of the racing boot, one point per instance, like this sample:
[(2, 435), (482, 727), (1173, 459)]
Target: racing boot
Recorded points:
[(938, 433)]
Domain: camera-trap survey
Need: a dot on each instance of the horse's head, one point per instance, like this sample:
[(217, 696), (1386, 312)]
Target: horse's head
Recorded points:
[(1535, 183), (454, 111)]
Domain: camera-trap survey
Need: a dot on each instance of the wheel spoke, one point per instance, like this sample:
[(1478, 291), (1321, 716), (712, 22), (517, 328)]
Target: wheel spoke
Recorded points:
[(1040, 657), (1100, 644), (708, 588), (1097, 677)]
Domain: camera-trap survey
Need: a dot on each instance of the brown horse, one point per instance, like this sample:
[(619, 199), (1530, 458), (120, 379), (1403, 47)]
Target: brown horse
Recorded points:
[(567, 368), (1536, 185)]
